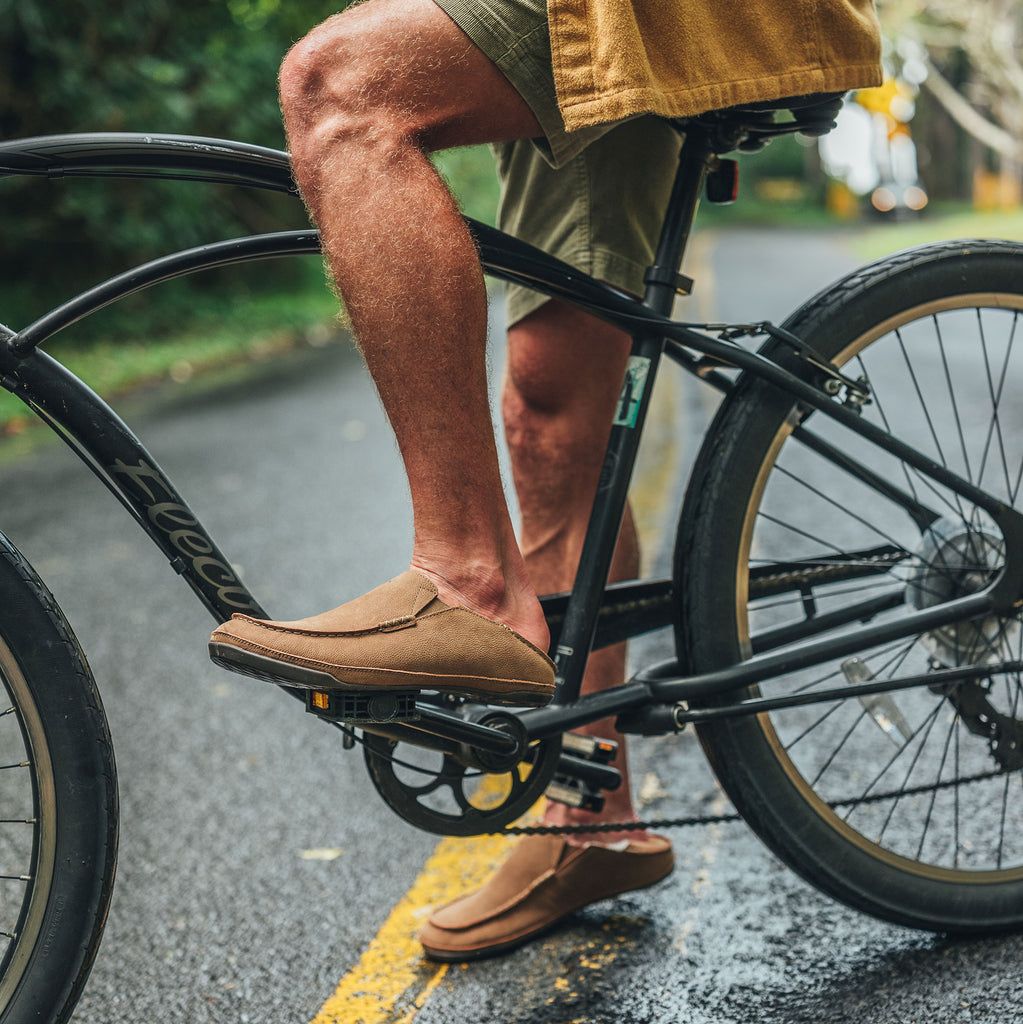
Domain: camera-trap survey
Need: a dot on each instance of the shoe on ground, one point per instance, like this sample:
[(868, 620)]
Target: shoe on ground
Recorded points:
[(543, 881)]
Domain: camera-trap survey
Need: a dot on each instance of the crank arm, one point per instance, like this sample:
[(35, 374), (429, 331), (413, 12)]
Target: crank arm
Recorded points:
[(425, 725)]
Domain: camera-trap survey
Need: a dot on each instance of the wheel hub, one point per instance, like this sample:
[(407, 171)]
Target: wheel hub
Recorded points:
[(954, 559)]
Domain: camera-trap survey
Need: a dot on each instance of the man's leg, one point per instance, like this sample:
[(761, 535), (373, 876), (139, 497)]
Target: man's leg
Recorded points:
[(557, 435), (365, 96)]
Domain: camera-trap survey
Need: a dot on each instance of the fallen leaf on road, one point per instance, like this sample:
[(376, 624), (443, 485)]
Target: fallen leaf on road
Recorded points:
[(321, 853), (651, 790)]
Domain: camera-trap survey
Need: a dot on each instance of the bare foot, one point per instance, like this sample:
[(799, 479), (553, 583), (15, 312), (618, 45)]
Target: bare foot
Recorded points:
[(490, 594)]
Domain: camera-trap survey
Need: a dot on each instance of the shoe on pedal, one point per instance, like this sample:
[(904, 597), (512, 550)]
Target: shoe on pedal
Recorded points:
[(399, 636)]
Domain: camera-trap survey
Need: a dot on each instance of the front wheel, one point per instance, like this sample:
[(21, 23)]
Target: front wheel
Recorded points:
[(58, 804), (908, 806)]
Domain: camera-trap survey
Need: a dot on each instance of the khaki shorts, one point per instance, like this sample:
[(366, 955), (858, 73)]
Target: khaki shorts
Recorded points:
[(593, 198)]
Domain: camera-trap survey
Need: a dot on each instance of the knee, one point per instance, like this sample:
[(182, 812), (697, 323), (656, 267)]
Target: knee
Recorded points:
[(302, 80), (523, 422), (542, 428), (331, 84)]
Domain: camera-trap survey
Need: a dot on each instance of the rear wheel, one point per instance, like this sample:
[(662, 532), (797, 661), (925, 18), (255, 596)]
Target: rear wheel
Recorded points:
[(58, 804), (908, 807)]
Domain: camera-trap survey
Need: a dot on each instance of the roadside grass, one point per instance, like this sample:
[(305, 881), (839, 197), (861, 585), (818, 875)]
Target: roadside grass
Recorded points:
[(939, 224), (177, 332), (752, 210)]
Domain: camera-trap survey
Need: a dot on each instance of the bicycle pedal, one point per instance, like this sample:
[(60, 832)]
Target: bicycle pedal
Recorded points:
[(357, 708), (573, 793), (590, 748)]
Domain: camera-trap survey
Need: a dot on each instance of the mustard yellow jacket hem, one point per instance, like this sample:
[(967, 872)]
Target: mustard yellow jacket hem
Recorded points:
[(617, 106), (614, 59)]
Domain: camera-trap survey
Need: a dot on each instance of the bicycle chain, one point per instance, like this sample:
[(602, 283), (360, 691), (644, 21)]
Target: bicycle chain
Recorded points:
[(722, 819), (821, 573)]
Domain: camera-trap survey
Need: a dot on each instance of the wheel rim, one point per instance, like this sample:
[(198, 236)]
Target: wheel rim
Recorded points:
[(784, 738), (23, 927)]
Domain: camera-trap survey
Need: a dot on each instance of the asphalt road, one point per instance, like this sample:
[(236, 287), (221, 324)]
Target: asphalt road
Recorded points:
[(257, 863)]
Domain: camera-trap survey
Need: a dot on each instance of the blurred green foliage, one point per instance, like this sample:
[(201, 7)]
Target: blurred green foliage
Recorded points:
[(471, 175), (204, 67)]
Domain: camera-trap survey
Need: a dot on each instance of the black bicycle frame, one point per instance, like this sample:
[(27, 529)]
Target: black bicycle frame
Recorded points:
[(593, 614)]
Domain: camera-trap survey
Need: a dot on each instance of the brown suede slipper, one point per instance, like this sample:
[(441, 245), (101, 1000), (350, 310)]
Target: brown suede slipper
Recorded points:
[(399, 636), (543, 881)]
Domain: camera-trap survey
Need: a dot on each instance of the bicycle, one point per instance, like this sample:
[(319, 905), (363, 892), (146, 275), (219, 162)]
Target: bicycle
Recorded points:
[(822, 645)]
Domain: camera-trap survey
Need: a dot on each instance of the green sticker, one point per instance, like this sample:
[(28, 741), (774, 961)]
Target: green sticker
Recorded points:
[(632, 391)]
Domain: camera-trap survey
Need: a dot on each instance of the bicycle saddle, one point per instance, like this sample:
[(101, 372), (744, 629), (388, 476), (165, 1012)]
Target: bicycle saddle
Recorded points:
[(750, 126)]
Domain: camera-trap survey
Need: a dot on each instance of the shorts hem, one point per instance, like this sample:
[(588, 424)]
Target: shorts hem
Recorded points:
[(530, 79), (603, 264)]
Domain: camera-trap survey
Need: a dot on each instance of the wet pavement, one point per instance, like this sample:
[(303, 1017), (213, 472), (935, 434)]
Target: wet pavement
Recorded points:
[(257, 863)]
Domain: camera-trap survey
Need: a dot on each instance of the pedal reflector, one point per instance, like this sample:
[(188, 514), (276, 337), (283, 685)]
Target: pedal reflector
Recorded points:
[(356, 707)]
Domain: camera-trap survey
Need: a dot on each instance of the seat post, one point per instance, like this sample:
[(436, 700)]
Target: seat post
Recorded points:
[(663, 280)]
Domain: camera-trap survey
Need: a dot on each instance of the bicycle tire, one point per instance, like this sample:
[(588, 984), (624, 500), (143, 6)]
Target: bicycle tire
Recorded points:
[(75, 791), (708, 631)]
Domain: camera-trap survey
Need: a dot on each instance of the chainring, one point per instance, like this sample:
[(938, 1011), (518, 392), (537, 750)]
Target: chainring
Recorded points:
[(463, 797)]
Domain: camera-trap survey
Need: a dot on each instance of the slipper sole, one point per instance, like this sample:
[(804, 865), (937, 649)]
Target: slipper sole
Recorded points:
[(287, 673)]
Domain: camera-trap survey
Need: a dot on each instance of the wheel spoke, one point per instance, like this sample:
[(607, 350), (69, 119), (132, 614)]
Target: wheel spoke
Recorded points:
[(927, 417), (937, 780), (909, 772), (920, 397), (995, 395), (836, 706), (887, 426), (845, 510), (788, 602), (898, 753), (867, 657), (952, 397), (834, 753)]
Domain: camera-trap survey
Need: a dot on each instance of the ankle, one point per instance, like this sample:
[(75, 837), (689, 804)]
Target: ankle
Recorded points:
[(481, 583), (490, 590)]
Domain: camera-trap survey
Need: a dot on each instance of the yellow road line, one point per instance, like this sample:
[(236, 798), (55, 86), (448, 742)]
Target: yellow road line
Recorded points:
[(420, 1000), (392, 981)]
